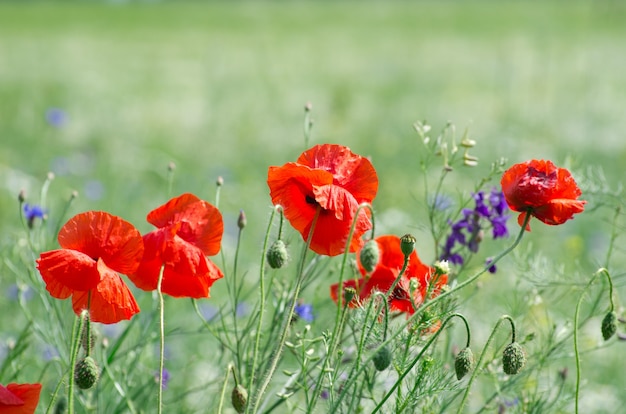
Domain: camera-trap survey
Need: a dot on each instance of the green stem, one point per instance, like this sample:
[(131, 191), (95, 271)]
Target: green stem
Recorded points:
[(161, 338), (482, 356), (230, 369), (257, 338), (576, 318), (76, 334), (287, 320)]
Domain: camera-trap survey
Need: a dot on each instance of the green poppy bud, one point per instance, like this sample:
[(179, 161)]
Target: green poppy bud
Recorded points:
[(369, 255), (239, 398), (277, 254), (407, 244), (463, 362), (382, 359), (513, 358), (609, 325), (86, 373)]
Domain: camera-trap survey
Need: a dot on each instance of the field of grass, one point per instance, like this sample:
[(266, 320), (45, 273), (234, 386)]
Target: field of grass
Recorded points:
[(218, 88)]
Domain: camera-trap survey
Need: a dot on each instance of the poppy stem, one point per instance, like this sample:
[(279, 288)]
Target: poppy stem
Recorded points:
[(273, 364), (482, 355), (161, 338), (576, 318), (76, 337)]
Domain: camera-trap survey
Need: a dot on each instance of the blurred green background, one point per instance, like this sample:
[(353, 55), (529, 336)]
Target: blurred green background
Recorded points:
[(219, 88)]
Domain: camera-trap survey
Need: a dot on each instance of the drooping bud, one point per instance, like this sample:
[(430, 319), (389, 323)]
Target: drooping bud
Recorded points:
[(609, 325), (407, 244), (513, 358), (277, 254), (239, 398), (86, 373), (463, 362), (382, 359), (369, 255)]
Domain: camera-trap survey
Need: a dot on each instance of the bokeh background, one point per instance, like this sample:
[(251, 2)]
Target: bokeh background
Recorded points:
[(106, 94)]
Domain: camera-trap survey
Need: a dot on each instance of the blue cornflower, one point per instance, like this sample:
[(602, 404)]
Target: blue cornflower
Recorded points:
[(468, 231), (56, 117), (31, 212), (166, 378), (304, 311)]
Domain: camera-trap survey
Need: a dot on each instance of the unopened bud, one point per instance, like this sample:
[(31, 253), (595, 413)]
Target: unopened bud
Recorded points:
[(467, 143), (382, 358), (242, 220), (407, 244), (239, 398), (21, 197), (513, 358), (171, 166), (277, 254), (442, 267), (220, 181), (369, 255), (609, 325), (86, 373), (463, 362)]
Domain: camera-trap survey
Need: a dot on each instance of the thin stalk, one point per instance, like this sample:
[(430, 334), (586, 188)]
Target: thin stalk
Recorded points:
[(161, 338), (220, 406), (287, 320), (576, 317), (76, 333)]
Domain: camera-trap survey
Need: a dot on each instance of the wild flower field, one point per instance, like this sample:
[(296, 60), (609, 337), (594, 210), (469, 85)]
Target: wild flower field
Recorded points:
[(348, 182)]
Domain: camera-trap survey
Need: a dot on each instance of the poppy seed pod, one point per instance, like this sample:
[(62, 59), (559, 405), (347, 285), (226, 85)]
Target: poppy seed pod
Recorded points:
[(609, 325), (463, 362), (369, 255), (239, 398), (382, 359), (86, 373), (407, 244), (513, 359), (277, 254)]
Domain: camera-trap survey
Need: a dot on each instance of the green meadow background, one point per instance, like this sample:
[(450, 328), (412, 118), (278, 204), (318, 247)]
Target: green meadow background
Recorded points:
[(218, 88)]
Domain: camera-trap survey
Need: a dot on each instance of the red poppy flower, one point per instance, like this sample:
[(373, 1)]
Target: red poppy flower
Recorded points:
[(95, 246), (19, 398), (539, 188), (387, 270), (333, 179), (188, 230)]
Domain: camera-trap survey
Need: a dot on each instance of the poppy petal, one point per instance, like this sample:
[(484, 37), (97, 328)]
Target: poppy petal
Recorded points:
[(558, 211), (201, 223), (67, 270), (110, 302), (27, 393), (101, 235)]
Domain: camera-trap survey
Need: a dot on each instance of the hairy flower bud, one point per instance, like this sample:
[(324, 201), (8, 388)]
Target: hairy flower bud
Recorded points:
[(609, 325), (239, 398), (463, 362), (382, 358), (242, 221), (513, 358), (369, 255), (277, 254), (86, 373), (407, 244)]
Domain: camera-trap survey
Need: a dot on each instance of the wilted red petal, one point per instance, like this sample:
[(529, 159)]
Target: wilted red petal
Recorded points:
[(110, 302), (200, 222), (101, 235), (537, 186), (67, 270), (28, 394)]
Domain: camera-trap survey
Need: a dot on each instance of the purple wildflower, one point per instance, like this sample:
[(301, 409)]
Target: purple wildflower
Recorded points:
[(468, 231), (166, 378), (491, 267), (56, 117)]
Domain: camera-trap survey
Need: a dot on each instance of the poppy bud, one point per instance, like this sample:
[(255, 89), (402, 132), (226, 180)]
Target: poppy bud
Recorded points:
[(609, 325), (86, 373), (348, 294), (239, 398), (171, 166), (463, 362), (513, 358), (242, 220), (277, 255), (407, 244), (220, 181), (382, 359), (369, 255), (21, 197)]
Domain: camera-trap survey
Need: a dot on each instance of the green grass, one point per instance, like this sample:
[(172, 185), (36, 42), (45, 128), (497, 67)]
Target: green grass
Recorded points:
[(219, 89)]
